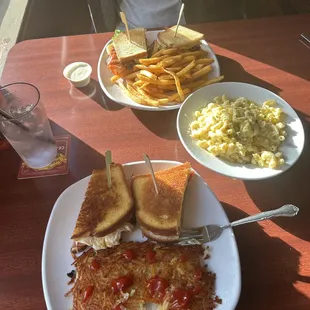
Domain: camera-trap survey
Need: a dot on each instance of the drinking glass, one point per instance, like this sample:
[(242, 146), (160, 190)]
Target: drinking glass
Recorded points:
[(24, 124)]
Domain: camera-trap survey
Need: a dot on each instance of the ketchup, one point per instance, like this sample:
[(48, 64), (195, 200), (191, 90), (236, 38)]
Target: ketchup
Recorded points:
[(150, 256), (88, 292), (183, 258), (180, 299), (198, 274), (195, 290), (94, 265), (157, 287), (121, 284), (129, 254)]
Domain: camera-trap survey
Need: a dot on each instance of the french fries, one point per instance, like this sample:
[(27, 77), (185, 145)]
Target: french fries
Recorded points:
[(205, 61), (156, 82), (131, 76), (148, 74), (167, 77), (177, 84), (187, 68), (138, 83), (201, 72), (151, 68), (166, 52), (129, 94)]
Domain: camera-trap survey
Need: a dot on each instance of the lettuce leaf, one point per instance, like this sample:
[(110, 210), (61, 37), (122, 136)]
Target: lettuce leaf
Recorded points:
[(116, 33)]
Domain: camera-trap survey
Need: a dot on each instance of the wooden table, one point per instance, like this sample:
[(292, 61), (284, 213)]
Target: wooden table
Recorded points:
[(274, 254)]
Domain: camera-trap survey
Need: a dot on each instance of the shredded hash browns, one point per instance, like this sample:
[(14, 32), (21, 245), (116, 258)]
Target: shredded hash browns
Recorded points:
[(132, 274)]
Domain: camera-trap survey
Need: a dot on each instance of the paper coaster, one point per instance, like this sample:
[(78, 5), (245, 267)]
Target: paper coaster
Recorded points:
[(59, 166)]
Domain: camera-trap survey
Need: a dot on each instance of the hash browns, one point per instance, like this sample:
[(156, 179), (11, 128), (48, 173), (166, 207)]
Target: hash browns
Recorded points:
[(188, 284)]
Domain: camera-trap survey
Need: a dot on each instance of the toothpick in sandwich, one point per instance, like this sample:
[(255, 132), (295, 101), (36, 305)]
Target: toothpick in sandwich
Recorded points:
[(108, 161), (178, 23), (124, 20), (149, 164)]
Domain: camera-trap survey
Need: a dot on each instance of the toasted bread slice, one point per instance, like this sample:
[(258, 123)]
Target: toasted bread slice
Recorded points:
[(104, 209), (185, 38), (129, 50), (161, 214)]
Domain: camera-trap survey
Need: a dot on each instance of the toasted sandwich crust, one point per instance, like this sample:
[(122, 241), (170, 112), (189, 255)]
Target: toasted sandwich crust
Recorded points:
[(185, 38), (103, 209), (161, 214)]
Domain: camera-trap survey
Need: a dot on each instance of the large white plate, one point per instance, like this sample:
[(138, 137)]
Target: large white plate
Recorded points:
[(200, 207), (292, 147), (115, 93)]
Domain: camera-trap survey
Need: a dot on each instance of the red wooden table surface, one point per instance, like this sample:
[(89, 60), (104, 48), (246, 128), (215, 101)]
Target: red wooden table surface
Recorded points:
[(274, 254)]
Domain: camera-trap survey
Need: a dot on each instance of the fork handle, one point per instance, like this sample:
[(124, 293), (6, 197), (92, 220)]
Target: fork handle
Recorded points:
[(286, 210)]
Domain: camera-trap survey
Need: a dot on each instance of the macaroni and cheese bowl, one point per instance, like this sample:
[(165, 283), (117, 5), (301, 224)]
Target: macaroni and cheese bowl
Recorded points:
[(240, 130)]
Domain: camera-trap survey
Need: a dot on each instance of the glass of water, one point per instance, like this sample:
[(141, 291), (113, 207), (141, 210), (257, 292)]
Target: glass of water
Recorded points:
[(24, 123)]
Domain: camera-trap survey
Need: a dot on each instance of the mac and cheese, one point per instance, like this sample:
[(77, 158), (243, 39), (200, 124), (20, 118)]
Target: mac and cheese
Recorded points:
[(241, 131)]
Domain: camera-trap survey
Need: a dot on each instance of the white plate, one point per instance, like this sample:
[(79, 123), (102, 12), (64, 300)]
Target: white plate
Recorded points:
[(115, 93), (292, 147), (200, 207)]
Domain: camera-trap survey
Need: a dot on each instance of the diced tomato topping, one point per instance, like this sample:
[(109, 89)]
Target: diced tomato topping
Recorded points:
[(88, 292), (129, 254), (121, 284), (198, 274), (94, 265), (180, 299), (150, 256), (157, 287)]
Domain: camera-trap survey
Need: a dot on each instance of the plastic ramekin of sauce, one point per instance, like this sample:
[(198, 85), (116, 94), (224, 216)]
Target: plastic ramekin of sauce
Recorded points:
[(78, 73)]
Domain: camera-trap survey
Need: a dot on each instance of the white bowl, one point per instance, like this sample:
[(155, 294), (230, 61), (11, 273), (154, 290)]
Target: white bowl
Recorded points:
[(114, 92), (292, 147), (81, 80)]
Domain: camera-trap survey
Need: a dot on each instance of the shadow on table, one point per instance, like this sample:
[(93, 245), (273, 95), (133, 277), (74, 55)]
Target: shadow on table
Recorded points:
[(93, 91), (234, 72), (290, 187), (162, 124), (269, 268), (30, 201), (82, 159), (25, 207)]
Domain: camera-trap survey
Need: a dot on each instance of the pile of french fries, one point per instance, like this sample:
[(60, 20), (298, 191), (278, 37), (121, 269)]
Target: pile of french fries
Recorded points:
[(169, 76)]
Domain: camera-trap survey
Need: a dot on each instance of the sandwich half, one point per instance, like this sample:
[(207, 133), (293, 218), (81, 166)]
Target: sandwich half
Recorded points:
[(105, 212), (160, 215), (123, 52), (185, 38)]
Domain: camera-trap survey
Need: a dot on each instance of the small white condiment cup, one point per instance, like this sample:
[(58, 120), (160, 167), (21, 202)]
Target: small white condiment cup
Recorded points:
[(78, 73)]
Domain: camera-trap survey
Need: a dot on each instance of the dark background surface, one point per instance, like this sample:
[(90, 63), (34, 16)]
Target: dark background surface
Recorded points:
[(52, 18)]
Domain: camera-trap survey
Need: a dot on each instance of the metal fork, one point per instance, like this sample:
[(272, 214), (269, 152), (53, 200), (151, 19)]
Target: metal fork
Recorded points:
[(210, 233), (305, 40)]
